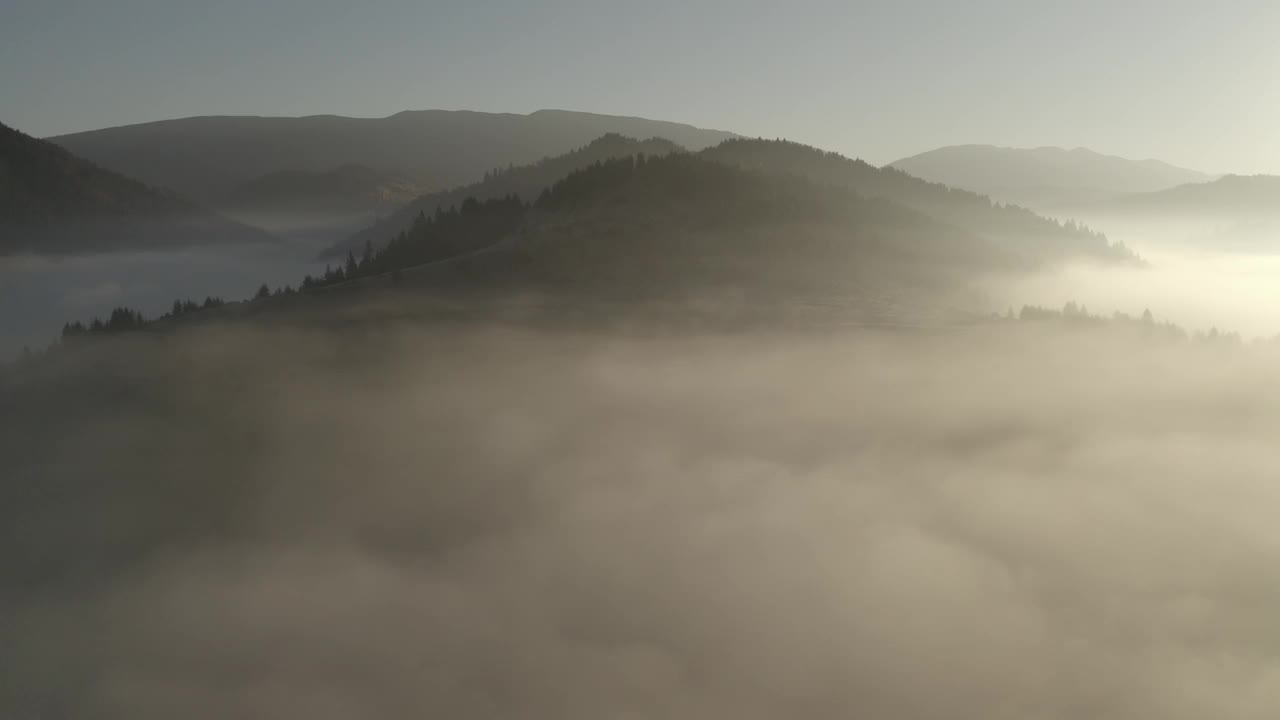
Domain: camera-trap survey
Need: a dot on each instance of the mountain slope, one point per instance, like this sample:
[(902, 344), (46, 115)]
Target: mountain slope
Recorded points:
[(1018, 229), (525, 182), (1046, 177), (53, 201), (686, 226), (206, 157)]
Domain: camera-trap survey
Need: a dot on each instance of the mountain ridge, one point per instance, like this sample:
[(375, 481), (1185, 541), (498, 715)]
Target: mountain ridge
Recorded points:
[(205, 156), (1258, 193), (1045, 177), (1010, 225)]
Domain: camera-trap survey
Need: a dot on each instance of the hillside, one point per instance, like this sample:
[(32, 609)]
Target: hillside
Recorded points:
[(1044, 178), (525, 182), (687, 226), (52, 202), (683, 224), (207, 157), (1018, 230)]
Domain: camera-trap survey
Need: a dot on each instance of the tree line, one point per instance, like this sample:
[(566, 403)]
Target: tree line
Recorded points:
[(446, 233), (1073, 314)]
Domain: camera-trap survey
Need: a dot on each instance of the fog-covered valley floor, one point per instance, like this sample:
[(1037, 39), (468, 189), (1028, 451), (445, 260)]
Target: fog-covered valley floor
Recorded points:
[(498, 521)]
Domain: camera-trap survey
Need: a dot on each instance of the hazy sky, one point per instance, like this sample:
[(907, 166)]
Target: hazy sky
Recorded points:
[(1188, 81)]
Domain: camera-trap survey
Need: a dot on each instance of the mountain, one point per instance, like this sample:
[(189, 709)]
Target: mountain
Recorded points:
[(640, 232), (1016, 228), (208, 157), (526, 182), (688, 225), (54, 202), (1046, 177)]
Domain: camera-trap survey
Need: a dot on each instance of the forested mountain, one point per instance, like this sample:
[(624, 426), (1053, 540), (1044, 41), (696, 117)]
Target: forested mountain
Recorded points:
[(207, 157), (1044, 178), (340, 190), (53, 202), (526, 182), (690, 224), (1017, 229)]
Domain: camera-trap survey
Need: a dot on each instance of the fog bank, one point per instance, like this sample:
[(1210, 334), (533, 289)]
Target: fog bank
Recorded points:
[(39, 294), (496, 522), (1196, 288)]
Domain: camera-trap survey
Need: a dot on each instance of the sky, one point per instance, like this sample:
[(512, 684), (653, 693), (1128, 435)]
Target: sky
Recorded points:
[(1190, 82)]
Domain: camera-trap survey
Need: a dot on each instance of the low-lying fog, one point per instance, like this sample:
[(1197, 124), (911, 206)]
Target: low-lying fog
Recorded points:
[(496, 522), (39, 294), (420, 519), (1191, 278), (1195, 289)]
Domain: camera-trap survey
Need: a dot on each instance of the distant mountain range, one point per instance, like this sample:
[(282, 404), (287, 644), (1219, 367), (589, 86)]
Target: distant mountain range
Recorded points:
[(1235, 213), (54, 202), (1046, 178), (401, 168), (1238, 195), (208, 158)]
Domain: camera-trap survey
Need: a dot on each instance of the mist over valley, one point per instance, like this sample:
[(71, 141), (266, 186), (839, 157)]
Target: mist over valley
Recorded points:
[(864, 360)]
